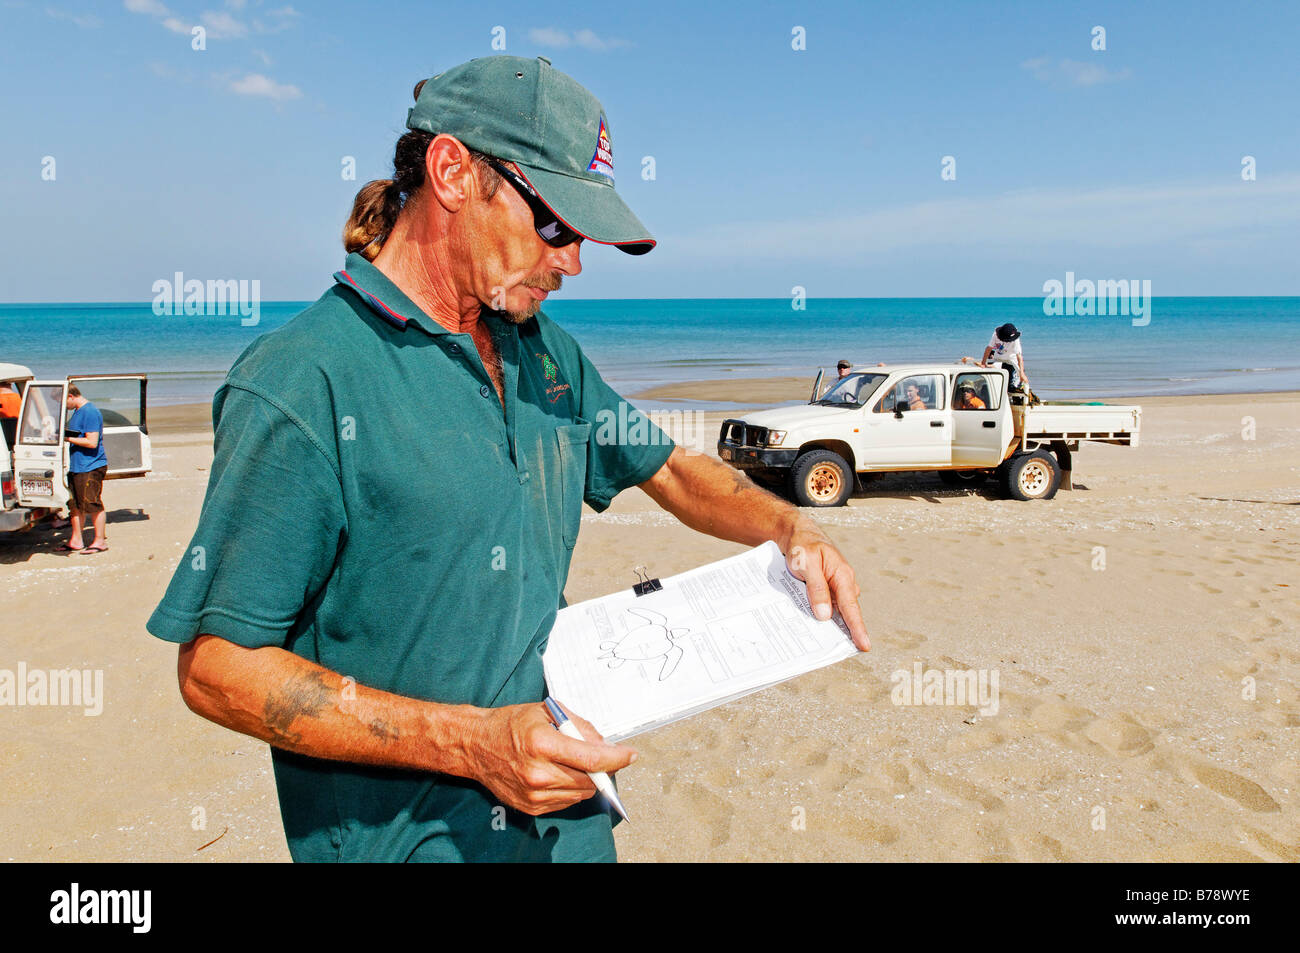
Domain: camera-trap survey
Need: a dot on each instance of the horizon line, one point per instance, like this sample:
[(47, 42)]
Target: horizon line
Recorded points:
[(308, 301)]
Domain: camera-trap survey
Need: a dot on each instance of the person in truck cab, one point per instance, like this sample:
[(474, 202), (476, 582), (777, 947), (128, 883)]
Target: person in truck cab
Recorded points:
[(914, 399), (967, 400), (9, 402)]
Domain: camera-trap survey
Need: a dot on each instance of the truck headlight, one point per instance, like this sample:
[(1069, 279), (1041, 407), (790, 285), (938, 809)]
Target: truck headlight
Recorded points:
[(775, 437)]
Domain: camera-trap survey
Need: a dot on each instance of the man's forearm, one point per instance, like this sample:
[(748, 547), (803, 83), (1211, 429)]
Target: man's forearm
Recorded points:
[(293, 703), (711, 497)]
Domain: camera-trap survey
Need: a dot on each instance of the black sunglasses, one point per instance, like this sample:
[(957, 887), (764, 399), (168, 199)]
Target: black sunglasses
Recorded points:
[(549, 227)]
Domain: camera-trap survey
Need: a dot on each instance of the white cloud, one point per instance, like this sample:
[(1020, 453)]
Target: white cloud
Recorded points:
[(1073, 72), (281, 18), (1107, 218), (177, 26), (255, 84), (584, 38), (87, 21), (151, 7), (221, 25)]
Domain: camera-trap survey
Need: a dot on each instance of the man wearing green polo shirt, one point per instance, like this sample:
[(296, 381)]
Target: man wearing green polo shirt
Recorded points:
[(397, 487)]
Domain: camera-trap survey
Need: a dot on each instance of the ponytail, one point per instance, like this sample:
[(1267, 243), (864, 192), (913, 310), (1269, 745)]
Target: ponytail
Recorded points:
[(374, 212)]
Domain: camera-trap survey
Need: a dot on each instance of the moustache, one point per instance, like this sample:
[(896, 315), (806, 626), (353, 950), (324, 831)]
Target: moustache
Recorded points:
[(549, 282)]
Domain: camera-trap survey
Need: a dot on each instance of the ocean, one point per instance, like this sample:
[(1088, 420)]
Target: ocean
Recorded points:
[(1189, 346)]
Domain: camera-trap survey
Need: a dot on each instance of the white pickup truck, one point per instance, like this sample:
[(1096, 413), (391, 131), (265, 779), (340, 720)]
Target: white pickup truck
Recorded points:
[(34, 455), (957, 419)]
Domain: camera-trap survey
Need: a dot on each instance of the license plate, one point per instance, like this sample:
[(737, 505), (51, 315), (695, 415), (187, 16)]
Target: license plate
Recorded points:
[(726, 454), (38, 488)]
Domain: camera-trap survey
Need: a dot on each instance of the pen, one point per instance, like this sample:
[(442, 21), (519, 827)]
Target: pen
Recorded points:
[(603, 784)]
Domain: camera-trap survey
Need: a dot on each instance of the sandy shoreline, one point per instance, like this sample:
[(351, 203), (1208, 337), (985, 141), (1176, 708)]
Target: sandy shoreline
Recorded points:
[(1124, 730)]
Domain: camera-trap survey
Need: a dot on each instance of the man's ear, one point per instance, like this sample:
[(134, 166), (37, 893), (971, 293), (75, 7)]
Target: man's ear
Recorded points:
[(448, 172)]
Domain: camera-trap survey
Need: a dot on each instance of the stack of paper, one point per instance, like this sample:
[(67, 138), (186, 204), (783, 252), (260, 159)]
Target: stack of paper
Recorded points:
[(629, 663)]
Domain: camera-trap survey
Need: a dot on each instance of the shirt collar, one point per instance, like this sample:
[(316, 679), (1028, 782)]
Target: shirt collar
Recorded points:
[(389, 301), (382, 296)]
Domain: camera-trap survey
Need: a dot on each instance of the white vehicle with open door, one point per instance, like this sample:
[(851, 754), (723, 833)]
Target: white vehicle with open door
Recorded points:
[(34, 456), (960, 420)]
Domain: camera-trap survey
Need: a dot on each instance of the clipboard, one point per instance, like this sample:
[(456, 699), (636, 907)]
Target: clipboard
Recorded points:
[(666, 649)]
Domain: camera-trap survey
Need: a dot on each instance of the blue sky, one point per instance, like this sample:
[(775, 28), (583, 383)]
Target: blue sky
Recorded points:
[(775, 167)]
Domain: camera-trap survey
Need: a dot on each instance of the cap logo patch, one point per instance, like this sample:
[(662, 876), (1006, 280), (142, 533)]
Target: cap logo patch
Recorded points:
[(602, 160)]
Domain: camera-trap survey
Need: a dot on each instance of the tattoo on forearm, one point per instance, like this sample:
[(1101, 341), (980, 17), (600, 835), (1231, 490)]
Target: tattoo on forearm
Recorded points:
[(303, 696), (739, 482), (383, 730)]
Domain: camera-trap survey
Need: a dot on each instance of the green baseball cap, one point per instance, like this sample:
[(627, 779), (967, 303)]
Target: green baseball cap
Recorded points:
[(526, 112)]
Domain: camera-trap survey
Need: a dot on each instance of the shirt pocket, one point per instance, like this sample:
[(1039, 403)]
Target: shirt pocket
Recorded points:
[(572, 439)]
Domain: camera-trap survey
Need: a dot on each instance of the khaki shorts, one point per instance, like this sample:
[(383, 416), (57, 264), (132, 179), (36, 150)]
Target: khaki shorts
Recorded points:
[(86, 490)]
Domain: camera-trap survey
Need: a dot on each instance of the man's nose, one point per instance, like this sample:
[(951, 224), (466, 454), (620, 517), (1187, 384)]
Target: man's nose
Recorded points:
[(567, 260)]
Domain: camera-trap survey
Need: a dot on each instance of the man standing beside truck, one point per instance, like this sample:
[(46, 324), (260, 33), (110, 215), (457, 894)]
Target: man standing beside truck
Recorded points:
[(87, 465)]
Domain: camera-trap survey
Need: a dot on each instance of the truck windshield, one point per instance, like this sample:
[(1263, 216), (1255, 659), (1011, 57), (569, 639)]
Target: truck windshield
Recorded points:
[(852, 391)]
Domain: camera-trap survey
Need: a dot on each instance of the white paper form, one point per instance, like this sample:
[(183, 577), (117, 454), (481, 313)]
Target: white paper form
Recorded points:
[(629, 663)]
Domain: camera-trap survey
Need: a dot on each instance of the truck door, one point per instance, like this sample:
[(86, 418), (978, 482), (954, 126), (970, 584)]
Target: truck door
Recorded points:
[(121, 399), (978, 420), (817, 386), (40, 455), (909, 426)]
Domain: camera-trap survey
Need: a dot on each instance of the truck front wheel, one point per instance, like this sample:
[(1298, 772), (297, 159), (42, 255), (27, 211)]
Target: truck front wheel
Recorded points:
[(1031, 476), (821, 478)]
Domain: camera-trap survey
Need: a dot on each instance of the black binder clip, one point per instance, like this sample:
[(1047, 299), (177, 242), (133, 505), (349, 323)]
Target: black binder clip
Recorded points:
[(646, 585)]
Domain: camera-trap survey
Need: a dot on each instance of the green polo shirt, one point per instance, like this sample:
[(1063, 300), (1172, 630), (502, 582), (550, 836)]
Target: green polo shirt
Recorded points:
[(374, 508)]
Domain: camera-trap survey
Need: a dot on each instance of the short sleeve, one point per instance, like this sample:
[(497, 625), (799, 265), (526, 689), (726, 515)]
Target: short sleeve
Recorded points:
[(269, 532), (625, 447)]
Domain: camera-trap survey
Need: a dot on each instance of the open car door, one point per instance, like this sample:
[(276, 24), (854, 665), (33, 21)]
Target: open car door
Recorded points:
[(121, 399), (40, 455), (817, 386)]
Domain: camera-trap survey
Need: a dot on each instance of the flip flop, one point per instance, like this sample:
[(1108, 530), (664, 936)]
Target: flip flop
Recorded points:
[(71, 549), (90, 550)]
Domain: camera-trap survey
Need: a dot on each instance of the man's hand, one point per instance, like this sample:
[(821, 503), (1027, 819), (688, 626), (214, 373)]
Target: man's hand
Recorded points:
[(519, 756), (711, 497), (829, 577), (293, 703)]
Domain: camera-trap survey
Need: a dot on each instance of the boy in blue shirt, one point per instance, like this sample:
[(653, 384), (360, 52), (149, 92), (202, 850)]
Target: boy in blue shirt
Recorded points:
[(87, 465)]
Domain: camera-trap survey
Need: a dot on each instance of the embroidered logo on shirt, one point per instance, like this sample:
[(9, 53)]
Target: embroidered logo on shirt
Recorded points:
[(551, 371)]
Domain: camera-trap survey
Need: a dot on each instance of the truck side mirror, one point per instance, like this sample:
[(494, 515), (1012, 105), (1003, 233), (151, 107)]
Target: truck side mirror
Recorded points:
[(898, 410)]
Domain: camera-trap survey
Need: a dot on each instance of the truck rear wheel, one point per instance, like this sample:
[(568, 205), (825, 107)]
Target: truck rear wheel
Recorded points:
[(821, 478), (1031, 476), (967, 478)]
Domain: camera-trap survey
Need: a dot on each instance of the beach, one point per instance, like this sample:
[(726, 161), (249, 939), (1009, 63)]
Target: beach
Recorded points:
[(1142, 628)]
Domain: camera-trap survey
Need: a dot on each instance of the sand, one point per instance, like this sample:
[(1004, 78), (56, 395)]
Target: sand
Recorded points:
[(1125, 729)]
